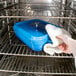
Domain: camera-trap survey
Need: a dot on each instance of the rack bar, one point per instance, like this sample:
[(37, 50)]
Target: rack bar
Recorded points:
[(9, 6), (52, 17), (43, 67)]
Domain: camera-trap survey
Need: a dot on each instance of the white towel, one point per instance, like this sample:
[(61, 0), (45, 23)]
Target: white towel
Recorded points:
[(63, 35)]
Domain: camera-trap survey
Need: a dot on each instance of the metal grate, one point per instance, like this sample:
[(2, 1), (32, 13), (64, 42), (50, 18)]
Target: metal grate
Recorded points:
[(52, 66), (35, 63), (14, 46), (27, 8)]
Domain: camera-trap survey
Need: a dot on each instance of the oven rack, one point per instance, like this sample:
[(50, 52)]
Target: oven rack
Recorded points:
[(36, 66), (18, 58), (14, 47), (53, 11), (21, 49)]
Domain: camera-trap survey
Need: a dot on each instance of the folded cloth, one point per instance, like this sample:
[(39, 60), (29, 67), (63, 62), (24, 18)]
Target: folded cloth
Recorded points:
[(61, 40), (51, 50), (53, 32)]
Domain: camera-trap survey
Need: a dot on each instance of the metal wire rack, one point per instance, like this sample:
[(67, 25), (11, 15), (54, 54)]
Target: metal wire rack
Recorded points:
[(18, 59), (17, 48), (54, 10), (37, 66)]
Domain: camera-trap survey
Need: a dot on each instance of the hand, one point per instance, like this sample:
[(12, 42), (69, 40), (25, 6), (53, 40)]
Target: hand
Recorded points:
[(69, 45), (63, 47)]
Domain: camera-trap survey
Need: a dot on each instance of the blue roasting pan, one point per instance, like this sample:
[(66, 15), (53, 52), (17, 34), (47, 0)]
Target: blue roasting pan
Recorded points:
[(32, 33)]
